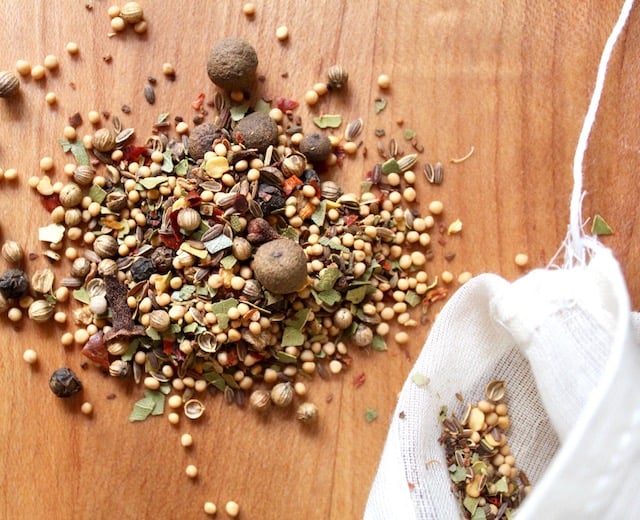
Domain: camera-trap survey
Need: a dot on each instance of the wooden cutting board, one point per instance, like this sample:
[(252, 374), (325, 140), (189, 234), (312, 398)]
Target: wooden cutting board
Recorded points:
[(510, 81)]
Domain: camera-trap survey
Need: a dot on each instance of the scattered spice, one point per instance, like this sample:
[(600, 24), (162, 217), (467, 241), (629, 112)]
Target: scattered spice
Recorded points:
[(465, 157), (370, 415), (64, 382), (232, 64), (481, 465), (600, 227)]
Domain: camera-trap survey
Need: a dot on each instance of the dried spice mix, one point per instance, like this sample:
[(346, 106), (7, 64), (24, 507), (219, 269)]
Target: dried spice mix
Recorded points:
[(222, 257)]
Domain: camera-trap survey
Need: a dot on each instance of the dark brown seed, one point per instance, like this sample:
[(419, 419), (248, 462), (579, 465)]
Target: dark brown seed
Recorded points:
[(149, 94)]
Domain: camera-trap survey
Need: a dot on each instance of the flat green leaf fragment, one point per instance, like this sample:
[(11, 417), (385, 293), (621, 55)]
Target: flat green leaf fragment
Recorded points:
[(470, 504), (151, 183), (82, 295), (298, 320), (158, 397), (185, 293), (77, 149), (320, 213), (182, 168), (370, 415), (285, 357), (53, 233), (328, 121), (142, 409), (198, 253), (328, 278), (380, 104), (153, 334), (167, 162), (479, 514), (218, 244), (357, 294), (412, 298), (409, 134), (228, 261), (238, 111), (221, 308), (378, 343), (600, 227), (419, 379), (501, 485), (326, 241), (457, 473), (97, 194), (262, 106), (329, 297), (390, 166)]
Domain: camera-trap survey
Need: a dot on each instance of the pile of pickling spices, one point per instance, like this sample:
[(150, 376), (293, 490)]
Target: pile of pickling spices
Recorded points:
[(220, 258)]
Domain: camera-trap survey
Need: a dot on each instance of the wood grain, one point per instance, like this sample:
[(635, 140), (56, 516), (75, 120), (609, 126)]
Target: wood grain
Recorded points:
[(511, 79)]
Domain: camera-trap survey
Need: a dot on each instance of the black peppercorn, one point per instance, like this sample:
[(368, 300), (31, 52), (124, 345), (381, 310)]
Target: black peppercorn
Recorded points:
[(162, 258), (64, 382), (13, 283), (142, 269)]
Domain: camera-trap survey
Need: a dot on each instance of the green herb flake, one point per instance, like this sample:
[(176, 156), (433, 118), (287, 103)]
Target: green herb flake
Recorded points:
[(97, 194), (328, 278), (457, 473), (319, 213), (153, 334), (378, 343), (262, 106), (238, 111), (299, 319), (142, 409), (329, 297), (82, 295), (236, 224), (419, 379), (600, 227), (357, 294), (479, 514), (365, 187), (185, 293), (380, 104), (131, 350), (390, 166), (501, 485), (167, 162), (328, 121), (409, 134), (412, 298), (370, 415), (326, 241), (221, 308), (470, 504), (228, 262), (77, 149), (151, 183), (182, 168), (285, 357), (218, 244)]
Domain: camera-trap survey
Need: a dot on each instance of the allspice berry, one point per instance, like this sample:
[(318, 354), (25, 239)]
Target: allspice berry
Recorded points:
[(257, 130), (201, 140), (281, 266), (232, 64), (316, 148)]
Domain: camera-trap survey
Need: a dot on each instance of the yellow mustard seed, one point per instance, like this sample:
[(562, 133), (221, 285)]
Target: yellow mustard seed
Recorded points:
[(191, 471), (23, 67), (464, 277), (282, 33), (173, 418), (186, 440), (38, 72), (86, 408), (521, 259), (11, 174), (232, 508), (210, 508), (72, 48), (384, 81), (51, 62), (311, 97), (118, 24), (30, 356), (249, 9), (113, 11)]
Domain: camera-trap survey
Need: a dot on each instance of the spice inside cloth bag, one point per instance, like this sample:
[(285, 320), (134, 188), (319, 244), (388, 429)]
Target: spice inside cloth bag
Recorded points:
[(564, 342)]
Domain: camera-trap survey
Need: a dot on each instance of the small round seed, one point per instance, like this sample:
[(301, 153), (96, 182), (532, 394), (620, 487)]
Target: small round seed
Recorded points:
[(30, 356)]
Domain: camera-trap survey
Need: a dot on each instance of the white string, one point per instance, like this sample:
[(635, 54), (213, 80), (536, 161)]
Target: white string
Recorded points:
[(577, 244)]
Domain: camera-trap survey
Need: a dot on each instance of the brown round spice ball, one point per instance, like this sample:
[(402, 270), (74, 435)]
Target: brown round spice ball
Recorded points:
[(201, 140), (316, 148), (232, 64), (257, 130), (281, 266)]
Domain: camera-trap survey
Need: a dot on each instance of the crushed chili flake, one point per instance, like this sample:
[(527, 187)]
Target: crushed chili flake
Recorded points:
[(50, 202), (284, 104), (359, 380), (197, 103)]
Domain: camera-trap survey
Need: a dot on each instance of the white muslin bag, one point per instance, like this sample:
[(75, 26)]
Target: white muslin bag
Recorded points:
[(566, 343)]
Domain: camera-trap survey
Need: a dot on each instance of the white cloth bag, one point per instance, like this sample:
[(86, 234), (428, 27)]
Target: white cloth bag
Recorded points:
[(567, 345), (564, 342)]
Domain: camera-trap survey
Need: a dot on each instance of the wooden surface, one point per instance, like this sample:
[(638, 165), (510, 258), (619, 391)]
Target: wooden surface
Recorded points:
[(511, 79)]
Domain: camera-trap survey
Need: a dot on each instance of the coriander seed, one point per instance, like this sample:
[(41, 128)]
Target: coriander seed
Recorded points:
[(9, 84), (12, 252), (282, 394)]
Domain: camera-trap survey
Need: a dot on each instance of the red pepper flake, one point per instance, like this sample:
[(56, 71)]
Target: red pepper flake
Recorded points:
[(132, 153), (412, 486), (193, 199), (50, 202), (197, 103), (350, 219), (434, 295), (359, 380), (168, 347), (290, 184), (96, 351), (284, 104)]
